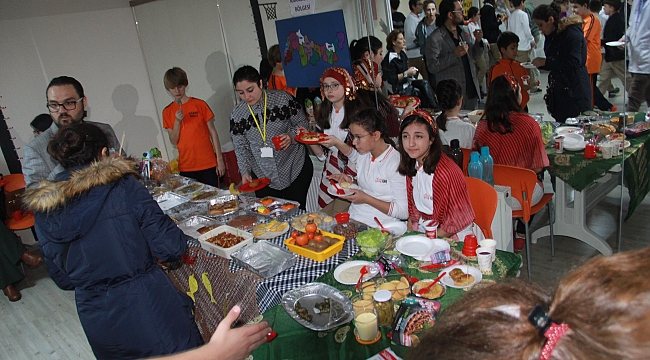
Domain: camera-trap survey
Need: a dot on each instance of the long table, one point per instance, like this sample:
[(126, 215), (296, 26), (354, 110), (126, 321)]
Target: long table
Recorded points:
[(582, 183), (294, 341)]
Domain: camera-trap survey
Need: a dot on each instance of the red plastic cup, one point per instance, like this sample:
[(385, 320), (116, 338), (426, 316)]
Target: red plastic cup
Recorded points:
[(17, 215), (277, 142), (470, 245)]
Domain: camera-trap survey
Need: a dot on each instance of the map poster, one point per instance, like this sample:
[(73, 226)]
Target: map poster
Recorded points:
[(311, 44)]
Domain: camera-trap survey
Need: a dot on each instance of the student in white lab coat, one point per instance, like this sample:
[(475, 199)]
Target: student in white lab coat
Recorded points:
[(382, 192)]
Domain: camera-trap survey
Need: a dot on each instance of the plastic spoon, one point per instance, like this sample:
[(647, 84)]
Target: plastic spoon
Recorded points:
[(412, 279), (339, 191), (383, 229), (426, 289), (363, 271)]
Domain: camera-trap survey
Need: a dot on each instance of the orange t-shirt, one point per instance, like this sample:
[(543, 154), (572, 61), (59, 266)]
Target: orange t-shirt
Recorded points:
[(514, 68), (279, 82), (591, 27), (195, 150)]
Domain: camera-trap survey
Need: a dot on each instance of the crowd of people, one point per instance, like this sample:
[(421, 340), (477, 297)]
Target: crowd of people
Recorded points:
[(101, 234)]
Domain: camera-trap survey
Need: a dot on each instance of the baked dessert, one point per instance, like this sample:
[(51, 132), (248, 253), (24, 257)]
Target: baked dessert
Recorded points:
[(244, 222), (205, 229), (224, 207), (464, 280), (455, 273), (205, 195), (310, 136)]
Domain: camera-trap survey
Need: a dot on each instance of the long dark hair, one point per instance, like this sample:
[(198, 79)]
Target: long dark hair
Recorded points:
[(448, 93), (325, 111), (367, 43), (407, 164), (77, 145), (501, 100), (371, 120)]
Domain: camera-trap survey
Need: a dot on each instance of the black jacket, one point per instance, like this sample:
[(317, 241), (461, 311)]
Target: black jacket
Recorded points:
[(566, 55), (489, 23), (614, 30)]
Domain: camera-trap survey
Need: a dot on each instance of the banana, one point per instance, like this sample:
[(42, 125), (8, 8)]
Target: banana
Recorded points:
[(233, 190)]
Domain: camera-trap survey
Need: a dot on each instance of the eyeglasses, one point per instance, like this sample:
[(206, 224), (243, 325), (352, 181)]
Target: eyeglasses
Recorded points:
[(68, 105), (332, 87), (358, 138)]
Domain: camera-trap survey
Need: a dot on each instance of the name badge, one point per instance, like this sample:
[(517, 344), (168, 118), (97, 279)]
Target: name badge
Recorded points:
[(267, 152)]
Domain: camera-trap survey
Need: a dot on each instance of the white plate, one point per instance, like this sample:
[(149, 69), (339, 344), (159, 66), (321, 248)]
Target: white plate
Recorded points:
[(615, 43), (420, 247), (527, 65), (563, 130), (476, 273), (575, 145), (397, 227), (354, 263), (348, 191)]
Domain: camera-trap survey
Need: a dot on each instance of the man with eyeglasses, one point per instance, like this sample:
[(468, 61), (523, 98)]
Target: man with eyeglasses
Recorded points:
[(451, 51), (67, 105)]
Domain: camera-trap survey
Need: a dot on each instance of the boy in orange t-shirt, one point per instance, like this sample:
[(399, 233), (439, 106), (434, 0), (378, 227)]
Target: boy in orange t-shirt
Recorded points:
[(190, 125), (508, 42), (591, 28)]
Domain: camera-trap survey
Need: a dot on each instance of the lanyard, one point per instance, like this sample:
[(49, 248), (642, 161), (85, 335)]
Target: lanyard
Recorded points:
[(262, 134)]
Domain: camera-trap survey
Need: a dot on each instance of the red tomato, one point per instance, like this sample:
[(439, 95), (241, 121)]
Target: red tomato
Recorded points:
[(310, 235), (302, 240), (295, 233), (311, 228)]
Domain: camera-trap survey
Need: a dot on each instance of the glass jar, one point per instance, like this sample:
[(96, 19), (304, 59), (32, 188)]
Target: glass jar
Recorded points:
[(384, 307)]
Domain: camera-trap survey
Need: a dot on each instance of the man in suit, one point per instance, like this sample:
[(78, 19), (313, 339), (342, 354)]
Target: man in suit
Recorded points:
[(451, 51), (67, 105)]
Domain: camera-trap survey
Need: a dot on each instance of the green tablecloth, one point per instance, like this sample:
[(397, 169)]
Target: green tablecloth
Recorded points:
[(575, 170), (297, 342)]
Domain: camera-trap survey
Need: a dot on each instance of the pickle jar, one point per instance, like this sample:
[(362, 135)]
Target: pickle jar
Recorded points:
[(384, 305)]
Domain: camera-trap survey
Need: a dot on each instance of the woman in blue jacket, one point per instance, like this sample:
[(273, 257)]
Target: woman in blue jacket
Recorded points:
[(101, 233)]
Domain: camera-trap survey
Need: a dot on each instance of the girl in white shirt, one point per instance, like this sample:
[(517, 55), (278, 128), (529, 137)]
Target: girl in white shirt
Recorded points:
[(450, 126), (337, 152), (382, 192)]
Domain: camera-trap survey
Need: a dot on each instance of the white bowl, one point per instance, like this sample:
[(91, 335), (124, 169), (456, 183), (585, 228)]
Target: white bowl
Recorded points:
[(475, 116)]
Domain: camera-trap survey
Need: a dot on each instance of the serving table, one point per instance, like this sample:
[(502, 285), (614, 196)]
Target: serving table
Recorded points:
[(582, 183)]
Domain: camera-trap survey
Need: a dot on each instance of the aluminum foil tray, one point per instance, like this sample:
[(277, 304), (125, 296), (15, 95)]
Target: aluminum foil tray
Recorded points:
[(186, 210), (275, 207), (170, 200), (190, 226), (221, 200), (190, 189), (309, 294), (264, 259)]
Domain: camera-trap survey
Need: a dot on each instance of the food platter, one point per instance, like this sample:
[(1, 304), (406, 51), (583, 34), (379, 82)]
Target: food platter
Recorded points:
[(435, 292), (398, 228), (348, 191), (420, 247), (189, 189), (310, 138), (448, 281), (255, 185), (403, 101), (615, 43), (563, 130), (347, 273), (270, 230), (528, 65), (313, 293)]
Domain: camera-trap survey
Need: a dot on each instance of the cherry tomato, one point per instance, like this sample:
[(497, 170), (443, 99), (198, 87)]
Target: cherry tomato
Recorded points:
[(302, 240), (311, 228), (318, 237), (295, 233), (310, 235)]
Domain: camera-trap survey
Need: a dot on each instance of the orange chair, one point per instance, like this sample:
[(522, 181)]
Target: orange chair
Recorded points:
[(522, 183), (466, 154), (484, 202), (17, 182)]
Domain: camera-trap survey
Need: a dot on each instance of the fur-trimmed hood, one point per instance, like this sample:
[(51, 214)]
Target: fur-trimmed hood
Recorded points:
[(565, 22), (50, 195)]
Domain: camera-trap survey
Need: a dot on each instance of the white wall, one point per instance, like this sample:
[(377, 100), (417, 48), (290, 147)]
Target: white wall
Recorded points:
[(98, 48)]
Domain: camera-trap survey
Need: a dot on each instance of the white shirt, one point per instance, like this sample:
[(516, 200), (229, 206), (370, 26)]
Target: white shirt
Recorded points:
[(335, 130), (472, 26), (639, 37), (519, 24), (411, 23), (458, 129), (380, 179)]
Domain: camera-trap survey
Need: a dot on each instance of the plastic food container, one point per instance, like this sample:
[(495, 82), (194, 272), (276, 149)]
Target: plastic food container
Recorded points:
[(191, 225), (317, 256), (221, 251), (169, 200)]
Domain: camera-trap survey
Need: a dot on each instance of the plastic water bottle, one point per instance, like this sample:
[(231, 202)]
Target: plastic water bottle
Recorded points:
[(474, 168), (456, 152), (317, 102), (488, 164)]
